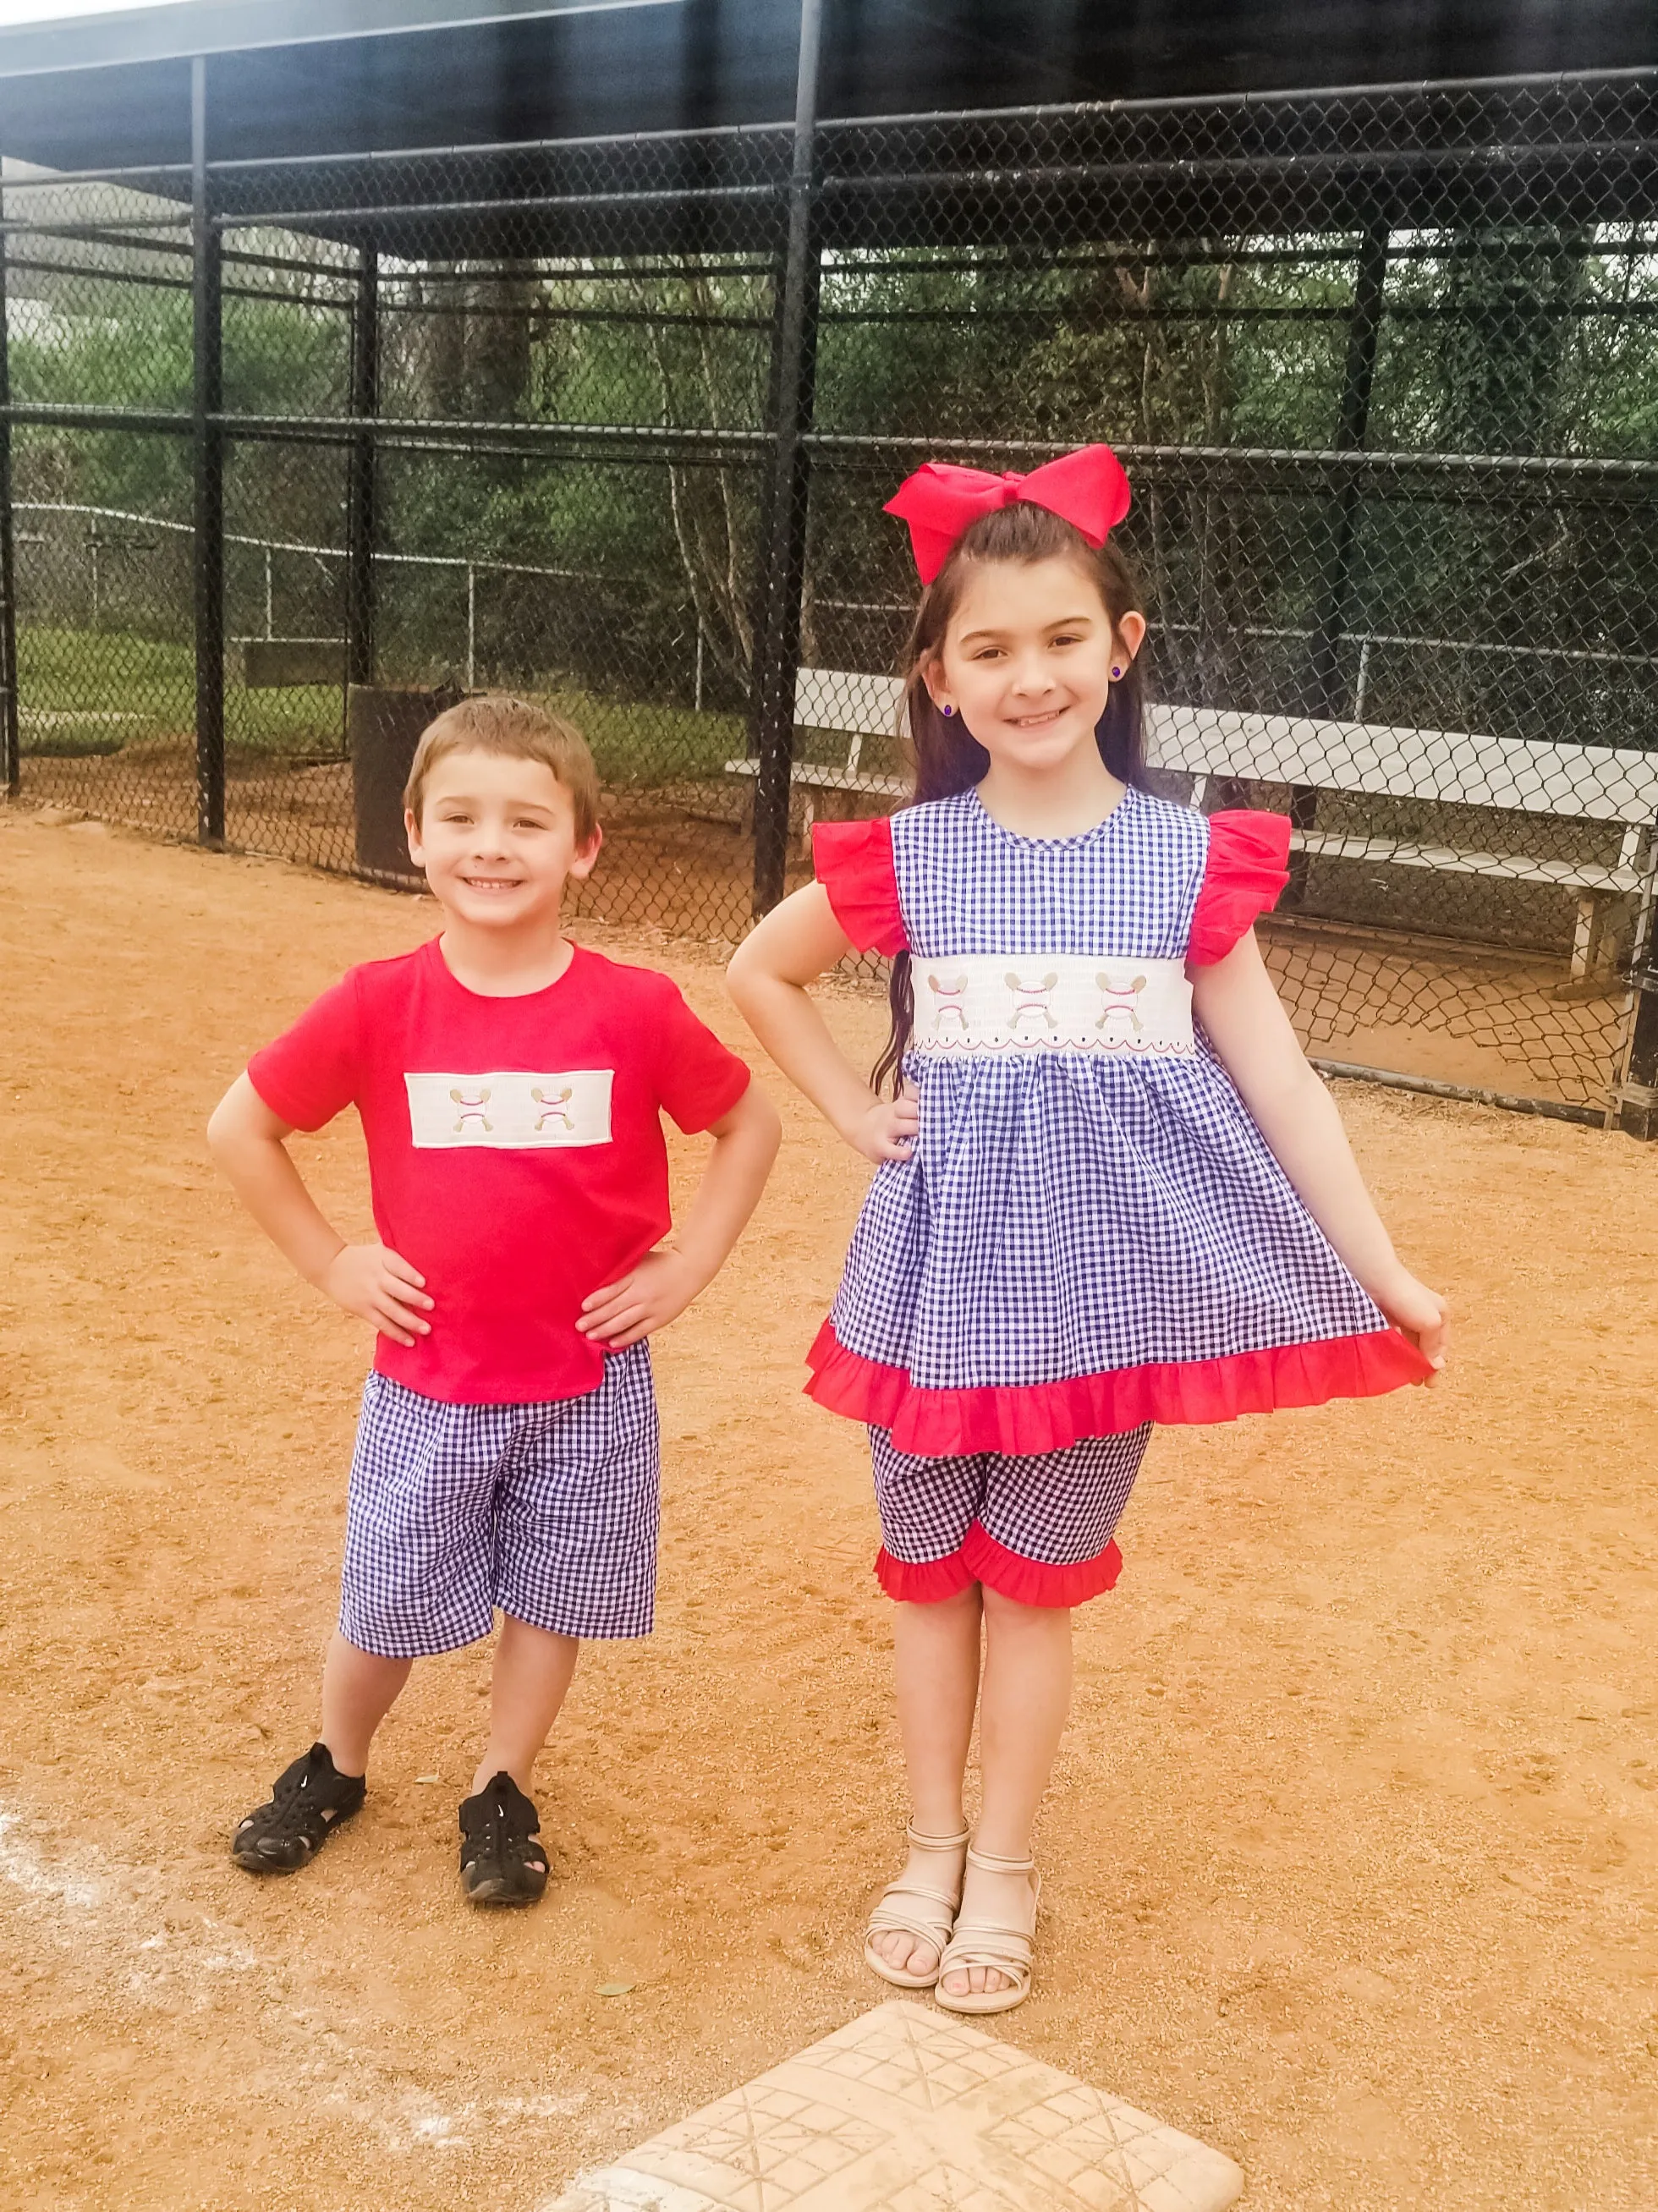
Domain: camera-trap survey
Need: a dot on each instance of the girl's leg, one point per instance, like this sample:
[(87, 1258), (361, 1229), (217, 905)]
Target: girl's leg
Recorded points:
[(1023, 1701), (532, 1671), (937, 1652), (358, 1688)]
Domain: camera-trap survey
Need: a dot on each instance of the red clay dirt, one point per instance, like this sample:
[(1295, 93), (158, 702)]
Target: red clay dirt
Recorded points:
[(1351, 1858)]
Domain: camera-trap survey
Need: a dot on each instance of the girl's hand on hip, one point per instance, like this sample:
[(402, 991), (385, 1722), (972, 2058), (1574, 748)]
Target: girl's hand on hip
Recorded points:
[(887, 1128), (1417, 1312), (380, 1287), (655, 1292)]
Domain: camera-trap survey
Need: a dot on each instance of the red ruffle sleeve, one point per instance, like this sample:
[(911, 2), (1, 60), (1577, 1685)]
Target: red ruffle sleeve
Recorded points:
[(1246, 869), (853, 863)]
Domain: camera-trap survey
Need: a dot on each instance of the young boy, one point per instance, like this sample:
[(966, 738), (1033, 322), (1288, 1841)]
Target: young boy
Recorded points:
[(509, 1084)]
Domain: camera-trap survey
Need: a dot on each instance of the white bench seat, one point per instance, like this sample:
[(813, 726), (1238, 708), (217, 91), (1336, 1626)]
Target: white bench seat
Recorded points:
[(1601, 879), (1607, 784), (818, 775)]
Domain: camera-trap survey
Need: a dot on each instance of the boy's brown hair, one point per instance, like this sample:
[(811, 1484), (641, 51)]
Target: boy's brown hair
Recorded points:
[(496, 722)]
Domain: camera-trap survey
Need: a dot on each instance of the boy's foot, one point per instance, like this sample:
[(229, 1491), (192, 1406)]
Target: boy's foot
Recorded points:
[(502, 1859), (311, 1798)]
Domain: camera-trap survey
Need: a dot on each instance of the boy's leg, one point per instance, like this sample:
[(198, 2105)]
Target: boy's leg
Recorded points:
[(416, 1581), (358, 1688), (576, 1512), (532, 1672)]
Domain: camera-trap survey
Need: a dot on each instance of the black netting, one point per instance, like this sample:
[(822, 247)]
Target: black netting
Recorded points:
[(1383, 368)]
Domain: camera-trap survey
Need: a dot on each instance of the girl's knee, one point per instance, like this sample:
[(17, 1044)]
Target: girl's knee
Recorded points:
[(1010, 1614), (952, 1608)]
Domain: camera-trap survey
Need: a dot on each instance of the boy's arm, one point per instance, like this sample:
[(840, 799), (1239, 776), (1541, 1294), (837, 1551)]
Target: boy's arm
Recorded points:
[(664, 1282), (1244, 1017), (249, 1143)]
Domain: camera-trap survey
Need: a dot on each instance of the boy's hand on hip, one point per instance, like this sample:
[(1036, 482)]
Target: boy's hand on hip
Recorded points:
[(656, 1291), (381, 1287)]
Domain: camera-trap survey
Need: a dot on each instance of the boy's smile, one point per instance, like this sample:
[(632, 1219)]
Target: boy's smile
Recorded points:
[(497, 840)]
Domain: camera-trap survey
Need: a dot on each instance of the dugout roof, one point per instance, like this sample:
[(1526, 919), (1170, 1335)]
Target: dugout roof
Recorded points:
[(303, 78)]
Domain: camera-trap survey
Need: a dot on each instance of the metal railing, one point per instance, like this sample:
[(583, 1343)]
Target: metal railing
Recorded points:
[(614, 419)]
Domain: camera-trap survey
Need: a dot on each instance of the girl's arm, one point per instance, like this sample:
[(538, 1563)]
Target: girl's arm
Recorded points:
[(1246, 1022), (798, 942), (249, 1142), (664, 1282)]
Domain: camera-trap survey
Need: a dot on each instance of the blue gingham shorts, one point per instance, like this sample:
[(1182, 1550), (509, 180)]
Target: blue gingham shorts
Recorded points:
[(1050, 1510), (547, 1511)]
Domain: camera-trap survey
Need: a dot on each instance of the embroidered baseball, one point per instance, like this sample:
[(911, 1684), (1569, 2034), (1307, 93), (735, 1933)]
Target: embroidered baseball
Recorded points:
[(1051, 1002), (566, 1168), (1091, 1232), (509, 1110)]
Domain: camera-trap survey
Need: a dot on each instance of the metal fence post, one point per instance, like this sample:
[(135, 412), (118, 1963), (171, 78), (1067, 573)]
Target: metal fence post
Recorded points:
[(361, 521), (1638, 1094), (783, 536), (1635, 1096), (1326, 695), (208, 397), (11, 765)]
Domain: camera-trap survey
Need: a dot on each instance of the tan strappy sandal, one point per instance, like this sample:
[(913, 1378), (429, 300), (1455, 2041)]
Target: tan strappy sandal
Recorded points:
[(1005, 1951), (907, 1908)]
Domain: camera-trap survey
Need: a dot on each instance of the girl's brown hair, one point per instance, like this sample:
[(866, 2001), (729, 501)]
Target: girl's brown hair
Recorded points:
[(945, 758)]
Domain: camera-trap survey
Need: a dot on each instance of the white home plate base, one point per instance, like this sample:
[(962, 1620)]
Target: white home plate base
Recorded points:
[(909, 2111)]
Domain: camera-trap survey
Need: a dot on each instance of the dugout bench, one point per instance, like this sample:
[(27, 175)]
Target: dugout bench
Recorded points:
[(1604, 784)]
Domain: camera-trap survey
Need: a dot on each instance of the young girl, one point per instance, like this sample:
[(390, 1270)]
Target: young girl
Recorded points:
[(1109, 1190)]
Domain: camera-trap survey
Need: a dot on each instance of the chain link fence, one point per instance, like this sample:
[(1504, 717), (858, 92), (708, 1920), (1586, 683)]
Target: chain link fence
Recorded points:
[(612, 423)]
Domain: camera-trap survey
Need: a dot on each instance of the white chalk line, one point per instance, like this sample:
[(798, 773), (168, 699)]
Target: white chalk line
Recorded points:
[(73, 1899)]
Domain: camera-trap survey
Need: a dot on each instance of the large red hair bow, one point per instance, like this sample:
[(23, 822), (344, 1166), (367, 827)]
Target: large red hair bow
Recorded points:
[(1087, 489)]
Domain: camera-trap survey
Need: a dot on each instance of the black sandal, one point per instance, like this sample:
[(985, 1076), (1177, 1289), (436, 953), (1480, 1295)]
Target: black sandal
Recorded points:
[(503, 1859), (312, 1798)]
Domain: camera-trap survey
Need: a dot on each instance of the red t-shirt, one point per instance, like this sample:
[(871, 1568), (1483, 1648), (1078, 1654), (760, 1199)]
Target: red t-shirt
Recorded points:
[(515, 1149)]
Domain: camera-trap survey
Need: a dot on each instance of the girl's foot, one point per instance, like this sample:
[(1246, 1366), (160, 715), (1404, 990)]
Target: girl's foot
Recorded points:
[(312, 1797), (502, 1859), (986, 1967), (910, 1926)]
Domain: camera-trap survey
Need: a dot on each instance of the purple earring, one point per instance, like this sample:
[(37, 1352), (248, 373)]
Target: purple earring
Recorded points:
[(947, 711), (1115, 673)]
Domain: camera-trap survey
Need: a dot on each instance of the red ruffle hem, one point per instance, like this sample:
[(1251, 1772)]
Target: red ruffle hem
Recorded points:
[(1042, 1417), (982, 1559)]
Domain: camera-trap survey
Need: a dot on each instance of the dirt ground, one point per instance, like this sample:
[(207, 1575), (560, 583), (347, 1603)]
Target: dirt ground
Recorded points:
[(1350, 1861)]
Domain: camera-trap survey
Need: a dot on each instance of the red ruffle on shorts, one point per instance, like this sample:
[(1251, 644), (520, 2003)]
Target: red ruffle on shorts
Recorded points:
[(982, 1559)]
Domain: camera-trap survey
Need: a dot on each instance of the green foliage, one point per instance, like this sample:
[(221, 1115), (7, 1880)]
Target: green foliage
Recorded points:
[(1516, 341)]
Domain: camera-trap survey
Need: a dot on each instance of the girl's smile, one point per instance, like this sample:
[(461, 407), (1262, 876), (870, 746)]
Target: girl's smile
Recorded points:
[(1026, 666)]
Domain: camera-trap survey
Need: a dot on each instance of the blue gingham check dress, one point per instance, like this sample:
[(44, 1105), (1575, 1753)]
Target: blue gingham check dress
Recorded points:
[(1093, 1222)]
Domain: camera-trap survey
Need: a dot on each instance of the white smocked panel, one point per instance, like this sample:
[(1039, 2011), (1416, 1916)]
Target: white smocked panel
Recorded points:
[(505, 1109), (1051, 1002)]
